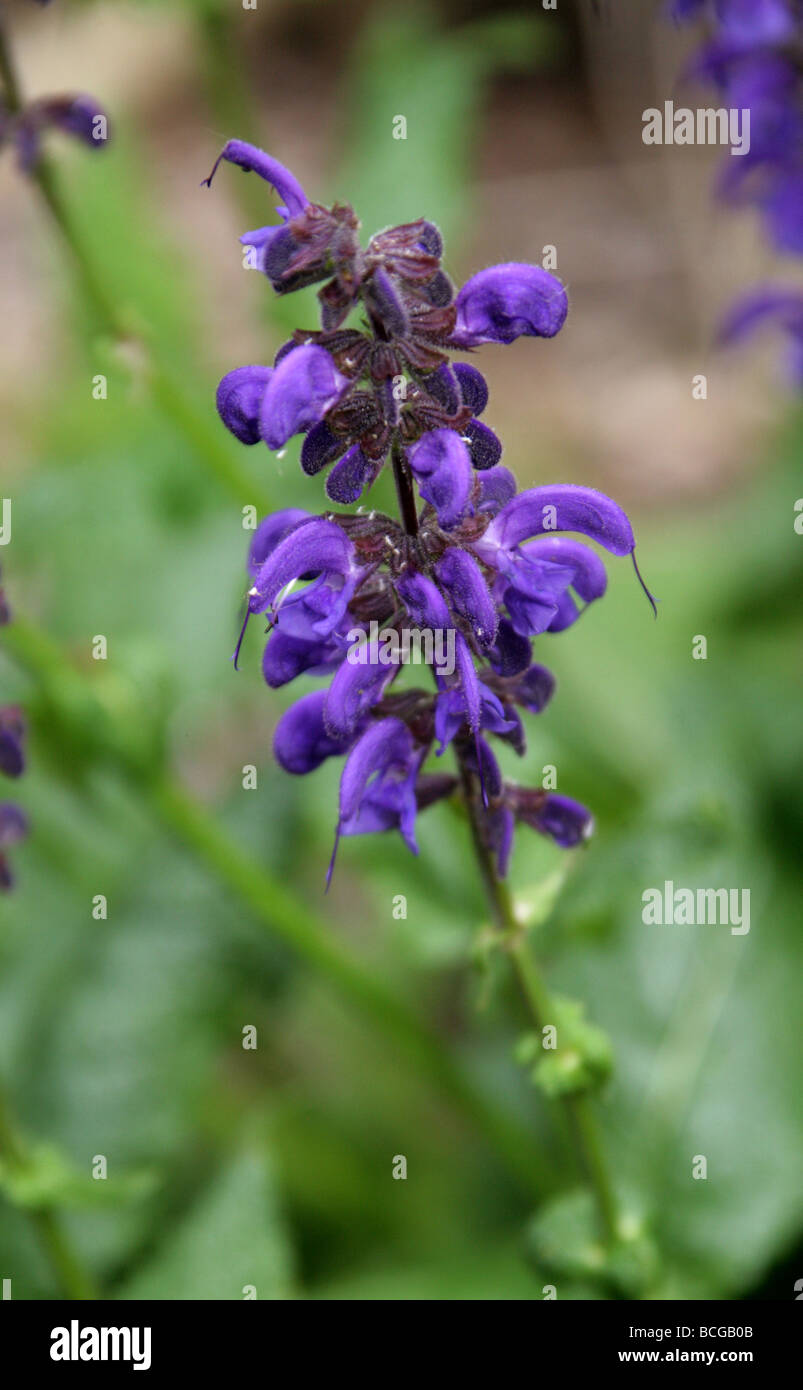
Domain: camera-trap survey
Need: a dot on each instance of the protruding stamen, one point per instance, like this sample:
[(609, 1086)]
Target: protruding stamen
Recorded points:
[(643, 585), (236, 654)]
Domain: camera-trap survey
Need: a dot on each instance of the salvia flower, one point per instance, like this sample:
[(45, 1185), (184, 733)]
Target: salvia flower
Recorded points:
[(79, 116), (752, 54), (468, 559)]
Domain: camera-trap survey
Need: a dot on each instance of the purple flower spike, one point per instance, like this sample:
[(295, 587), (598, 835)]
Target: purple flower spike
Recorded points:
[(239, 398), (442, 466), (508, 302), (317, 545), (463, 580), (253, 160), (303, 387), (301, 741)]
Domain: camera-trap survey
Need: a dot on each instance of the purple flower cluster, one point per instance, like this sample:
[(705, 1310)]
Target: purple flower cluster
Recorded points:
[(468, 556), (22, 127), (753, 54), (78, 116), (13, 822)]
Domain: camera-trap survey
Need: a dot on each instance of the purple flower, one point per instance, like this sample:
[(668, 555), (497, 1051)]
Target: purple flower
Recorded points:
[(475, 572), (251, 159), (565, 821), (301, 741), (442, 466), (13, 828), (12, 734), (239, 401), (377, 788), (300, 391), (76, 115), (742, 21), (750, 56), (769, 306), (508, 302)]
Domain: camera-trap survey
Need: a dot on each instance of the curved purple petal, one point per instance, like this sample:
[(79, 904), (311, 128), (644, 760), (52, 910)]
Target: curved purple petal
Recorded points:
[(254, 160), (562, 507), (270, 531), (317, 545)]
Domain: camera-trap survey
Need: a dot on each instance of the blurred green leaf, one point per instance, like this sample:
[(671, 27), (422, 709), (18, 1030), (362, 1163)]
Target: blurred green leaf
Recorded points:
[(231, 1242)]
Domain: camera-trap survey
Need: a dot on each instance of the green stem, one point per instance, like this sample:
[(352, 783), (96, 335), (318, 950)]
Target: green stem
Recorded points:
[(581, 1119), (72, 1278), (276, 907)]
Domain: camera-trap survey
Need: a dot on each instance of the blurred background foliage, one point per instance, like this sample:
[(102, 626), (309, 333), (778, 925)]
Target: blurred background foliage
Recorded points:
[(271, 1168)]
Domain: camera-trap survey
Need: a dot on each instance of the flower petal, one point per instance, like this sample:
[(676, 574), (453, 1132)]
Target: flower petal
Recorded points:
[(301, 741), (254, 160), (507, 302), (468, 593), (303, 387), (239, 398), (562, 507)]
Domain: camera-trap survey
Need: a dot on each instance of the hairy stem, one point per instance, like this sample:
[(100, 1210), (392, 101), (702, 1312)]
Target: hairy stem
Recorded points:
[(579, 1113), (404, 488)]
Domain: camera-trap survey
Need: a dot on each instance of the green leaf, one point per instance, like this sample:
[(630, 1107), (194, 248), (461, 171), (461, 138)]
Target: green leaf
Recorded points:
[(232, 1241)]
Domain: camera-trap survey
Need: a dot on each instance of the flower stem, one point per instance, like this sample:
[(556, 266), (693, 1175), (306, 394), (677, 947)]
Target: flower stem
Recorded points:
[(71, 1276), (513, 937), (404, 488)]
